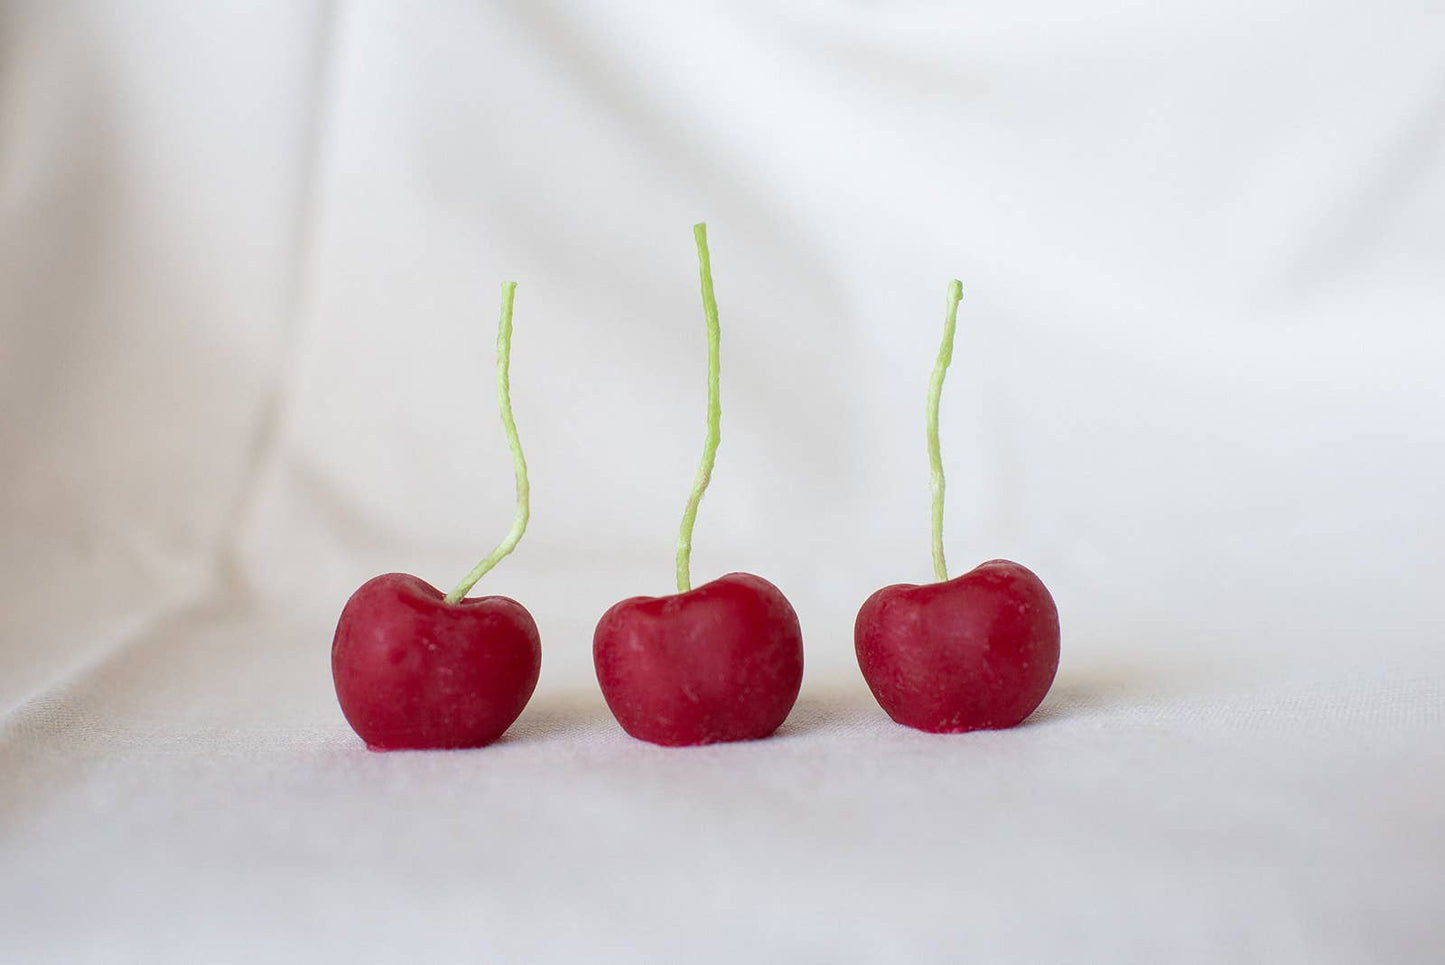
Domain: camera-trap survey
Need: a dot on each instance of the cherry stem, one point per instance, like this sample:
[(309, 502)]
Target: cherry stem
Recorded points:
[(935, 458), (519, 463), (714, 415)]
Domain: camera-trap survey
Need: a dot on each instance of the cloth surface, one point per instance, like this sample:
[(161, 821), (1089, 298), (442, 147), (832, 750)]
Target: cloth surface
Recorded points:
[(249, 258)]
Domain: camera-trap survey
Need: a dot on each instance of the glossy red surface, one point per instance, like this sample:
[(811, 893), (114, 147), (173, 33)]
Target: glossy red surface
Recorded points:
[(972, 653), (721, 662), (413, 671)]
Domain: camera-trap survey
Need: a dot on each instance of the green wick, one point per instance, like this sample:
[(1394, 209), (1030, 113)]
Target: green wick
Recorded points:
[(519, 464), (714, 415), (935, 459)]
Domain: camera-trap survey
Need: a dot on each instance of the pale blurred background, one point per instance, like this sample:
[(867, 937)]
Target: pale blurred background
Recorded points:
[(249, 269)]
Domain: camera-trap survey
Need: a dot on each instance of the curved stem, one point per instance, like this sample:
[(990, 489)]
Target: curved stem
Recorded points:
[(935, 459), (714, 415), (519, 463)]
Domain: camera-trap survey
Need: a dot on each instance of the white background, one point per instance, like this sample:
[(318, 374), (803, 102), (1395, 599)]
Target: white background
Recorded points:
[(249, 269)]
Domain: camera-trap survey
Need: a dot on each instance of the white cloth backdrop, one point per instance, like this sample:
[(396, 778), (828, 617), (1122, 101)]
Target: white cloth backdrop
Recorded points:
[(249, 268)]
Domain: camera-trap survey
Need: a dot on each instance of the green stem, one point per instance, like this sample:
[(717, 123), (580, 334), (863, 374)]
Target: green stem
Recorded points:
[(714, 415), (935, 458), (519, 464)]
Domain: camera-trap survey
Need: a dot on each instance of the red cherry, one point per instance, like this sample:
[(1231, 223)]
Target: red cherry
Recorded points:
[(413, 671), (975, 652), (721, 662)]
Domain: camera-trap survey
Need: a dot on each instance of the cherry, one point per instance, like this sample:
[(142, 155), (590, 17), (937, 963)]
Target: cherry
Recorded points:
[(976, 652), (722, 662), (972, 653), (415, 669)]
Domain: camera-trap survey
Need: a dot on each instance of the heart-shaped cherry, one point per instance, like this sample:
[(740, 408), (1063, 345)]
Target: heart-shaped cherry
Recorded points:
[(975, 652), (414, 669), (972, 653), (723, 662)]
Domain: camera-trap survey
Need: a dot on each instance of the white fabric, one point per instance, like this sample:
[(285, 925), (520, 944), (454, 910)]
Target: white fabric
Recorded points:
[(249, 258)]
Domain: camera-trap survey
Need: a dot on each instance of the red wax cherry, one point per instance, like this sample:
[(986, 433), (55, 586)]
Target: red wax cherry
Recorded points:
[(975, 652), (413, 671), (722, 662)]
